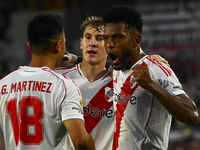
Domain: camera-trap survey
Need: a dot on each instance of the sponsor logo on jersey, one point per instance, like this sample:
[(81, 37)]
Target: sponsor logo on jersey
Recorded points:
[(166, 83), (126, 95), (177, 87), (96, 112), (99, 106), (29, 71), (122, 98), (79, 110)]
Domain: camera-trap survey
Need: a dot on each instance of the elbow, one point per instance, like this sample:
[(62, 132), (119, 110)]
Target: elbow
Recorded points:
[(191, 119), (192, 115), (85, 143), (80, 144), (194, 119)]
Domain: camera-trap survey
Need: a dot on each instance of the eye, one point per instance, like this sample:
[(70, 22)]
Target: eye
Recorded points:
[(105, 38), (117, 37), (100, 38), (88, 37)]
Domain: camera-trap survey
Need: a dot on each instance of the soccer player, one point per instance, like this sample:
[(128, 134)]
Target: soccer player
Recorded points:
[(146, 93), (39, 107), (95, 83)]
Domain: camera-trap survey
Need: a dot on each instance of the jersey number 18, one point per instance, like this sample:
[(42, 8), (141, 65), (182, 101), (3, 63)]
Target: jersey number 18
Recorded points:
[(29, 129)]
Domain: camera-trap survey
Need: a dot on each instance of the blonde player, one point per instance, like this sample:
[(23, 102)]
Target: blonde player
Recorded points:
[(95, 84), (145, 98), (39, 108)]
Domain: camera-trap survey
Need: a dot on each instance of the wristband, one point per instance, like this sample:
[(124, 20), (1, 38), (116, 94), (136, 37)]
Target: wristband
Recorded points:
[(72, 59)]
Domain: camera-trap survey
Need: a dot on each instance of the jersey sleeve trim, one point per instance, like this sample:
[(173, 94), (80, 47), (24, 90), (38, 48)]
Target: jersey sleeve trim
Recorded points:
[(57, 75)]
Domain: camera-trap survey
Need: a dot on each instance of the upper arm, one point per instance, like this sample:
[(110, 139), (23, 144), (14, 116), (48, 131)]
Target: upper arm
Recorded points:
[(72, 117)]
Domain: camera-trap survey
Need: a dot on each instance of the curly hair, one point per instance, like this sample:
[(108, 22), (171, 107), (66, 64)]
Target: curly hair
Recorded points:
[(123, 13)]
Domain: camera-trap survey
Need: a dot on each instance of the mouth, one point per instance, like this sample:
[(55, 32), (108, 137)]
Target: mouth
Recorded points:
[(113, 58), (91, 52)]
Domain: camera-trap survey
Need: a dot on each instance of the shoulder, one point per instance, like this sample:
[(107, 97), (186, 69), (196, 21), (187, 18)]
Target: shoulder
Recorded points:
[(9, 75), (63, 80), (161, 73), (158, 68), (59, 76)]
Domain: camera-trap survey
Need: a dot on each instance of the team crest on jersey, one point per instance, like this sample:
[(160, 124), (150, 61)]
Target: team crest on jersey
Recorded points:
[(132, 82), (109, 94)]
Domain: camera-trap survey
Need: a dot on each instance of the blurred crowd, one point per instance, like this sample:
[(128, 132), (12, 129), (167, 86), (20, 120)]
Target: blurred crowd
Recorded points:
[(24, 5), (188, 71)]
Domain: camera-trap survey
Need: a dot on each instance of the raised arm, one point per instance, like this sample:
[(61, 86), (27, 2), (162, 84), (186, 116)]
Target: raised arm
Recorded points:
[(79, 136), (181, 107)]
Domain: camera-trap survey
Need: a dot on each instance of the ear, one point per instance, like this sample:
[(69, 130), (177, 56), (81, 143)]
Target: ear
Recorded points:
[(58, 46), (81, 42), (29, 45), (136, 41)]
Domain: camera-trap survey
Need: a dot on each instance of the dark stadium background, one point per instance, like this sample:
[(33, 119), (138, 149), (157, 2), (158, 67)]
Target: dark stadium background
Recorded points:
[(171, 28)]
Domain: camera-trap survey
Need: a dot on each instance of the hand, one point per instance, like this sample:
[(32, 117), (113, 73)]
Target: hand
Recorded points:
[(159, 59), (142, 76), (65, 58), (69, 58)]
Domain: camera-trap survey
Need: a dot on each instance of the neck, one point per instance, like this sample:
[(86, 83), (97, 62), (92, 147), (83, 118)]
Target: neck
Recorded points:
[(42, 60), (138, 55), (93, 72)]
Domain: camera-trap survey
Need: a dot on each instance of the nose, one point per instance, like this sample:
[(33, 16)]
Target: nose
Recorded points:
[(93, 42), (109, 43)]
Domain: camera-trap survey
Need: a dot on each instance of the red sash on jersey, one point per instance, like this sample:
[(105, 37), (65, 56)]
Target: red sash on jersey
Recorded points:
[(121, 107), (100, 105)]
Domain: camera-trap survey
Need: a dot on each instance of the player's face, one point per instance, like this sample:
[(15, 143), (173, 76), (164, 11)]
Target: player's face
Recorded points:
[(92, 45), (119, 45)]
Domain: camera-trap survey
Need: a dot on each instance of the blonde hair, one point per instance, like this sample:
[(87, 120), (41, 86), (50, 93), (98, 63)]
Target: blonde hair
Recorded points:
[(94, 21)]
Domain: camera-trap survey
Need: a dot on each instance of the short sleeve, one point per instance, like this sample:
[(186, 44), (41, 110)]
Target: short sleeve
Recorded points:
[(71, 107), (166, 78)]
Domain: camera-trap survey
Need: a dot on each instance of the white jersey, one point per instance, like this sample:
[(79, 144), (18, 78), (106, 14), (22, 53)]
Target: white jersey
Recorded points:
[(142, 122), (34, 102), (97, 105)]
